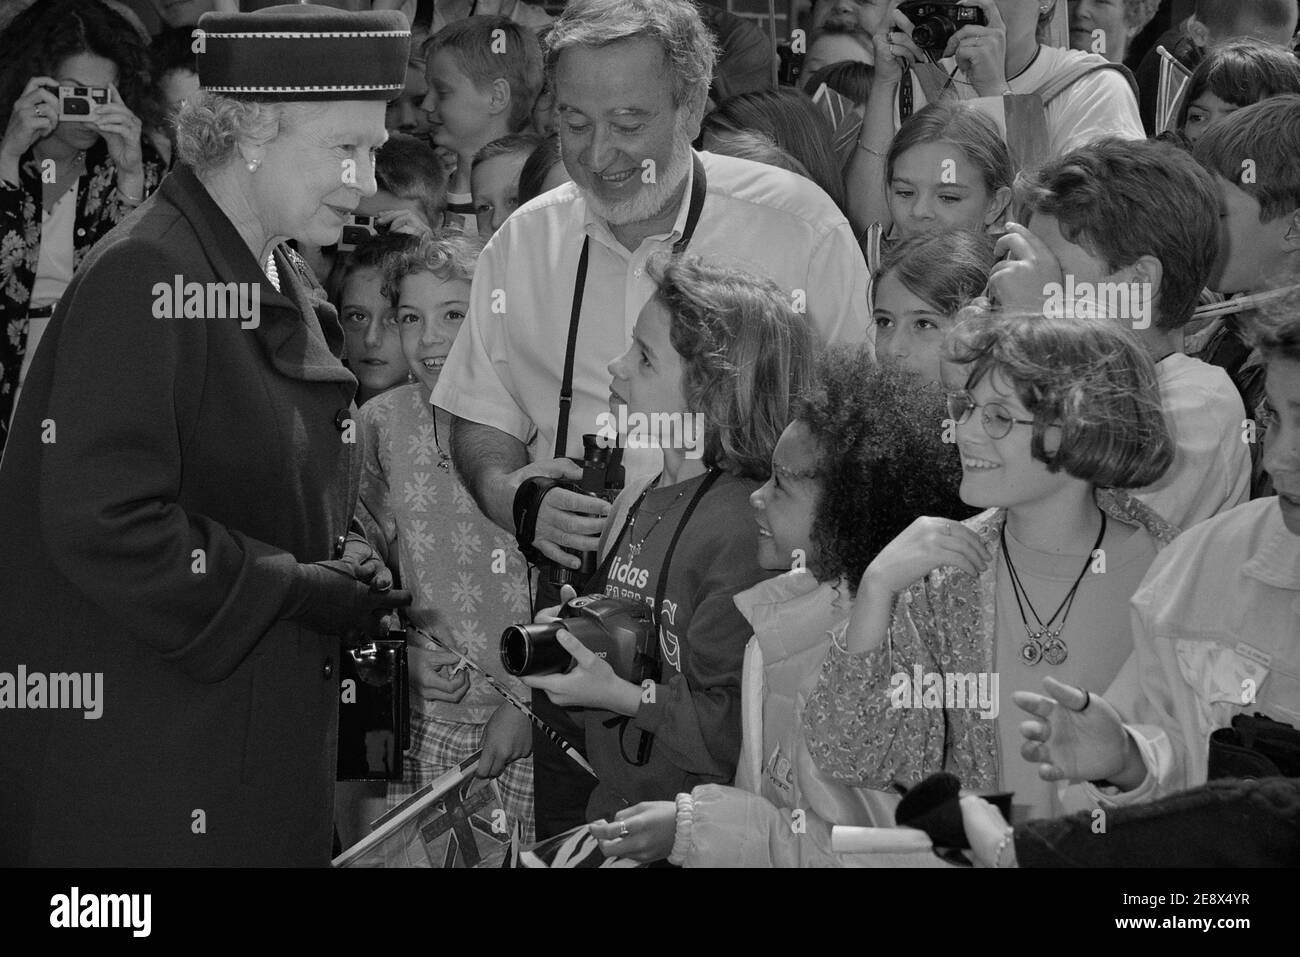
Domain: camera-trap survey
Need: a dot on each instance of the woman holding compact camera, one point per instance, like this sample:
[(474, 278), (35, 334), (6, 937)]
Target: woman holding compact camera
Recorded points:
[(64, 181)]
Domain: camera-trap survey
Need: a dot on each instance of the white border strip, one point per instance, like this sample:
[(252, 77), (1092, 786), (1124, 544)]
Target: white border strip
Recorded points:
[(301, 36), (300, 89)]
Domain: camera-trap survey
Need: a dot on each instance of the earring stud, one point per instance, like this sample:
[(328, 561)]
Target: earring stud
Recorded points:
[(252, 166)]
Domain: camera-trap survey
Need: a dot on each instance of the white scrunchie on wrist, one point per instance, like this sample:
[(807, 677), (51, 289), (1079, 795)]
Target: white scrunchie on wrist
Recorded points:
[(682, 839)]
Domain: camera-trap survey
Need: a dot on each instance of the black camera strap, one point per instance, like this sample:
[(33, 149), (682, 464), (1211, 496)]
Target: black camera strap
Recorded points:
[(661, 589), (699, 186)]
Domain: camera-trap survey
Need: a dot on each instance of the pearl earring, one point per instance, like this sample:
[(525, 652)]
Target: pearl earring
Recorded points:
[(252, 166)]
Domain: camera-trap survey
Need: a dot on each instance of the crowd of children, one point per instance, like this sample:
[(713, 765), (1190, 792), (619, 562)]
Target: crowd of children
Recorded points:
[(1068, 447)]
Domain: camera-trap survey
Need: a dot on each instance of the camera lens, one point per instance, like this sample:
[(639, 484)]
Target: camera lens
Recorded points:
[(533, 649)]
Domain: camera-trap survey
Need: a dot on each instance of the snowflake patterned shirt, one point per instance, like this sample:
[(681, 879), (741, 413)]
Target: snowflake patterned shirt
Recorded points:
[(466, 576)]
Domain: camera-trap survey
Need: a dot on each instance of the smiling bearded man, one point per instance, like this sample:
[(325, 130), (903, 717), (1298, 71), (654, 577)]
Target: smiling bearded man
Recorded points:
[(631, 78)]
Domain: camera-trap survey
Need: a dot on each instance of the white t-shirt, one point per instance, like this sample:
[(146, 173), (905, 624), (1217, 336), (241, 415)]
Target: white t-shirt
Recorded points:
[(1101, 104), (505, 367), (1211, 469)]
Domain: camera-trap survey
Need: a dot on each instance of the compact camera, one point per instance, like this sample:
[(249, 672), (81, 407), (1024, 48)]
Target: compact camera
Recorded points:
[(620, 630), (933, 24), (77, 102), (357, 230), (791, 64), (602, 477), (374, 710)]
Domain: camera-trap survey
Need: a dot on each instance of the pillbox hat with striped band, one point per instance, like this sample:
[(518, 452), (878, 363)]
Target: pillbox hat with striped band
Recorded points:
[(303, 52)]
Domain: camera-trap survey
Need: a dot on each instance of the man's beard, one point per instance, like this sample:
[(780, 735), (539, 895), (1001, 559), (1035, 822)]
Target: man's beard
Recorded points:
[(841, 23), (649, 201)]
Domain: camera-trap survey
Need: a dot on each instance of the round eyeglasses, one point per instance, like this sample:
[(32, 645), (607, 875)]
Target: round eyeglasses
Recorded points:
[(998, 421)]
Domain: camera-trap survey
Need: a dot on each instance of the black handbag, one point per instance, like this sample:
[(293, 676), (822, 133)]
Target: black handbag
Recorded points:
[(1254, 747)]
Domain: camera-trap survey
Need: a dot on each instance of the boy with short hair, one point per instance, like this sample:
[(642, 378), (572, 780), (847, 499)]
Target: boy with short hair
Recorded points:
[(494, 179), (1252, 156), (1129, 227), (484, 74), (408, 175)]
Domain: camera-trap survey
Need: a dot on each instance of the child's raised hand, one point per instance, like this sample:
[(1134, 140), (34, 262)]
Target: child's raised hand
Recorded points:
[(404, 221), (981, 52), (1025, 268), (894, 46), (1077, 736), (928, 543)]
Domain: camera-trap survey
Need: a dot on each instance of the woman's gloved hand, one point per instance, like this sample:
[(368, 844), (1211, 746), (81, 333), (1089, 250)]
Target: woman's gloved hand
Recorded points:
[(331, 598)]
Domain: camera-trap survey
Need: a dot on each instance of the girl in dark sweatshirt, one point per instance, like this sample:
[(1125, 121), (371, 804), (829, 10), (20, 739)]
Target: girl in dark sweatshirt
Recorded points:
[(715, 357)]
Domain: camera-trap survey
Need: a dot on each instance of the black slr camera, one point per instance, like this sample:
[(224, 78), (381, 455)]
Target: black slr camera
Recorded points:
[(933, 24), (620, 630), (602, 477)]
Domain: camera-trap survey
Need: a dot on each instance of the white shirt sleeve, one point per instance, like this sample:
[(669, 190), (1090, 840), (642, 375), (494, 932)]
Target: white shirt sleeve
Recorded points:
[(836, 265)]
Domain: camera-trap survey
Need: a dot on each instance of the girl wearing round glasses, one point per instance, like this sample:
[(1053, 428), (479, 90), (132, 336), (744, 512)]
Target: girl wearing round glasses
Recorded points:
[(1051, 418)]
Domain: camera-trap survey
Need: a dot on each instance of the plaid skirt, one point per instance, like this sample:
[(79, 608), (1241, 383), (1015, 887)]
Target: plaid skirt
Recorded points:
[(438, 745)]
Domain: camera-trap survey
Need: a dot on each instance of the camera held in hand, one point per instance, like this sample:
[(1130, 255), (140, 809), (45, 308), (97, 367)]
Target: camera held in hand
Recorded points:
[(620, 630), (76, 103), (791, 64), (602, 477), (357, 230), (933, 24)]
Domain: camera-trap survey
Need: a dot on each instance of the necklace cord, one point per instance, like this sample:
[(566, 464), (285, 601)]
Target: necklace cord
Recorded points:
[(1063, 609)]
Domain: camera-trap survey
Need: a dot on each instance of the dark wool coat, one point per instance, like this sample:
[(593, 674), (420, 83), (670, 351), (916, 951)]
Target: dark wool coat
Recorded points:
[(162, 478)]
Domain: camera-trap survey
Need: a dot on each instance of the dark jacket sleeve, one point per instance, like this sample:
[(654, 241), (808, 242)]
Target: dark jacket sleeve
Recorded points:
[(1237, 823), (121, 406)]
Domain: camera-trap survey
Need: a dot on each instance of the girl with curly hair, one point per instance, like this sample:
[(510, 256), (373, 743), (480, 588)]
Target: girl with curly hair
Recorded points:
[(63, 183), (1052, 419), (861, 460)]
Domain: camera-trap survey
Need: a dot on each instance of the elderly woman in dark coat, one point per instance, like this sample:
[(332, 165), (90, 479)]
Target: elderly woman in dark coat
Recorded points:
[(180, 477)]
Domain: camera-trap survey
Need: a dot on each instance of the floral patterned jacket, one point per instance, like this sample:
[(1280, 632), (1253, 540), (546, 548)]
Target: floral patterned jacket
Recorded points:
[(98, 210), (945, 623)]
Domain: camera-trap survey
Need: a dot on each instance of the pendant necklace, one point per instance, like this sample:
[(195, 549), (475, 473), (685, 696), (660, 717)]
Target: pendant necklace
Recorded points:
[(1046, 643), (635, 548), (444, 460)]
